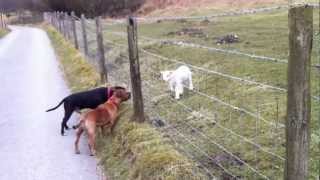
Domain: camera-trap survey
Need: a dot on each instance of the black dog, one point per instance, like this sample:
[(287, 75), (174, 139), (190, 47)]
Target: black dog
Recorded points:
[(87, 99)]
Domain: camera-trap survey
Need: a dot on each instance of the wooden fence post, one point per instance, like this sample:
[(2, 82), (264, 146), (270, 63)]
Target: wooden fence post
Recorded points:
[(60, 22), (66, 25), (1, 19), (44, 17), (70, 31), (51, 16), (56, 22), (102, 59), (135, 71), (299, 100), (74, 30), (64, 28), (84, 35)]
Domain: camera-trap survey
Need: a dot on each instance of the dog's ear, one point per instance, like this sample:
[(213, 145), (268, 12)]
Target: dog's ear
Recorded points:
[(118, 92)]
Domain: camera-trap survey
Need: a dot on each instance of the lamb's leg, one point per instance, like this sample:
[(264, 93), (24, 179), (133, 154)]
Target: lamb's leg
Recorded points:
[(179, 90), (171, 87), (190, 82), (177, 93)]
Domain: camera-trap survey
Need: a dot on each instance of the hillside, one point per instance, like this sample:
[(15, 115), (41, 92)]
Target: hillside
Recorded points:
[(156, 7)]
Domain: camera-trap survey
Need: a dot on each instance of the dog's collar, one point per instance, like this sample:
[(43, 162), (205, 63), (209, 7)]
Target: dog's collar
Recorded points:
[(112, 102), (109, 93)]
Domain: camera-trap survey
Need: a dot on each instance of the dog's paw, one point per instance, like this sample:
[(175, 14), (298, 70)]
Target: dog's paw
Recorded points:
[(92, 153)]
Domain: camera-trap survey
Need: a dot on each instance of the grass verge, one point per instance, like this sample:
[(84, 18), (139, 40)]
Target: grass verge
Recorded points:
[(138, 151), (3, 32), (133, 151), (79, 73)]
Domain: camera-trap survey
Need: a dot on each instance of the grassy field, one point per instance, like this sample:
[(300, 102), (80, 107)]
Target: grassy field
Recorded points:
[(203, 119)]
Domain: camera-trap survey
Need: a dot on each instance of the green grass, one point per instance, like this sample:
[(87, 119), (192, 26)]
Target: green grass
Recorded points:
[(3, 32), (134, 150), (263, 34), (138, 151), (79, 73)]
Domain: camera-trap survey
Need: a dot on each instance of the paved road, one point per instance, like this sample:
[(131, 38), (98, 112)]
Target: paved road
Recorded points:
[(31, 147)]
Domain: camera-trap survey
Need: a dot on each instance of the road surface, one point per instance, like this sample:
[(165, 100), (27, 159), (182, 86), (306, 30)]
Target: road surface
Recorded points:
[(31, 147)]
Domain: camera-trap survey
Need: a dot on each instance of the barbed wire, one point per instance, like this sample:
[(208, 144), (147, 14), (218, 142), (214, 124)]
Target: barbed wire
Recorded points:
[(194, 145), (189, 155), (226, 51), (218, 145), (191, 110), (250, 82)]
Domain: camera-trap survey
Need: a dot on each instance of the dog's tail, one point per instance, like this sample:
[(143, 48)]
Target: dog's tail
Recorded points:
[(82, 117), (56, 106), (76, 126)]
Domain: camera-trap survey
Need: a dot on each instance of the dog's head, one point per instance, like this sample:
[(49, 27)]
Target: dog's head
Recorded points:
[(122, 94), (114, 88), (166, 75)]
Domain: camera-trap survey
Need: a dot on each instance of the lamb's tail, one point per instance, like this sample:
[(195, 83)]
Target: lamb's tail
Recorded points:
[(56, 106)]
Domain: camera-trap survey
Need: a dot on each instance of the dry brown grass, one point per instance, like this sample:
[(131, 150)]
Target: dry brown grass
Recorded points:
[(174, 7)]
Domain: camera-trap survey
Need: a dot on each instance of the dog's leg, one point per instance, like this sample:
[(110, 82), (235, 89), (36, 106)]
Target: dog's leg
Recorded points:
[(91, 127), (67, 114), (103, 131), (76, 144), (92, 144)]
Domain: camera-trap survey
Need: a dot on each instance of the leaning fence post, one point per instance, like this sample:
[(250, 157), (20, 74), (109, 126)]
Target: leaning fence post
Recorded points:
[(102, 59), (299, 100), (135, 71), (74, 30), (84, 35)]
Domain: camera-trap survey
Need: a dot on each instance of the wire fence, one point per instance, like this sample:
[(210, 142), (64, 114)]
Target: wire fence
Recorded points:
[(232, 123)]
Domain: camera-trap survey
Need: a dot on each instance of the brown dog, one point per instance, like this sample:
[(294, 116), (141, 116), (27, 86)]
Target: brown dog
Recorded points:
[(104, 115)]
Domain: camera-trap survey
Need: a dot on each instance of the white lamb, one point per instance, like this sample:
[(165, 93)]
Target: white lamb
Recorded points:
[(178, 79)]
